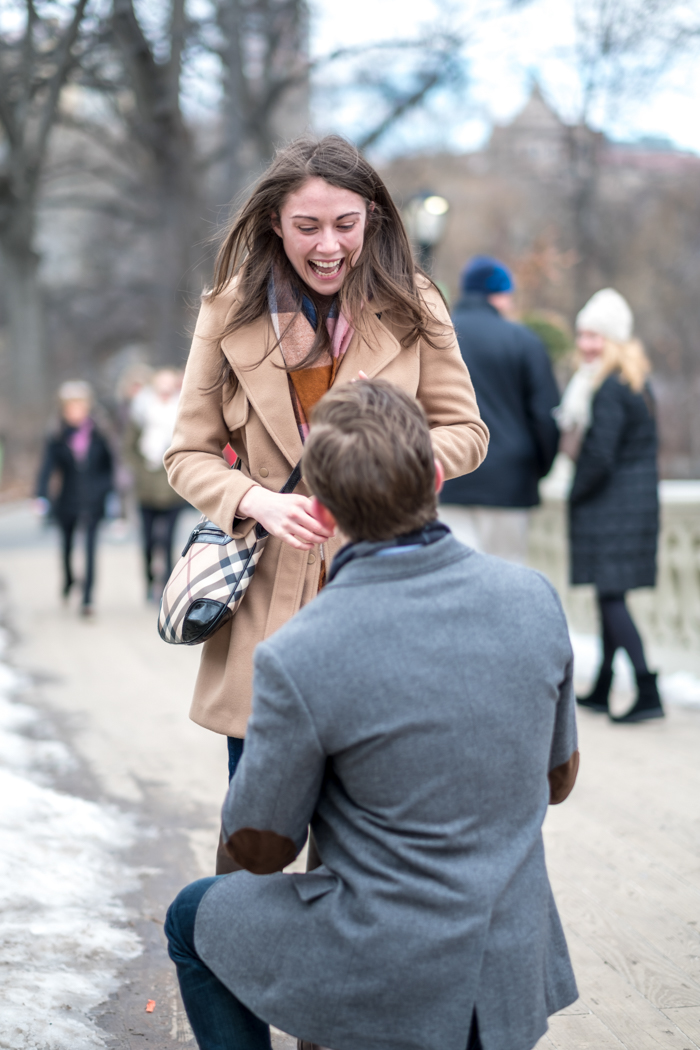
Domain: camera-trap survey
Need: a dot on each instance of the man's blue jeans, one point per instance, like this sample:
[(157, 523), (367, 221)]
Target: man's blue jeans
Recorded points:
[(219, 1021)]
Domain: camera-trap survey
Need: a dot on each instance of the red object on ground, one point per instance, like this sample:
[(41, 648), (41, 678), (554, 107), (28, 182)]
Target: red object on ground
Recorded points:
[(150, 1006), (229, 455)]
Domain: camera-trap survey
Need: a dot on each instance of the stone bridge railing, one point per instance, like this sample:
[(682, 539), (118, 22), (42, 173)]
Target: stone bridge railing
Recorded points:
[(668, 615)]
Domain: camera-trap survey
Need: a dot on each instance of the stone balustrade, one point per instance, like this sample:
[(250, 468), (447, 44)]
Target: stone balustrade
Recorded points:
[(669, 614)]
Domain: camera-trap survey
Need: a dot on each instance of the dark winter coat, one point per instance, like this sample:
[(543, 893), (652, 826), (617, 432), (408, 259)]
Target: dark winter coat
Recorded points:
[(84, 486), (614, 502), (516, 392)]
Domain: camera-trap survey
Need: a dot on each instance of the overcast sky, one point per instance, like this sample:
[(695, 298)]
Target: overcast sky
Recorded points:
[(504, 55)]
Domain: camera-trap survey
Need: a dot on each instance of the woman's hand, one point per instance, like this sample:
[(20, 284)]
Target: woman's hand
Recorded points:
[(287, 516)]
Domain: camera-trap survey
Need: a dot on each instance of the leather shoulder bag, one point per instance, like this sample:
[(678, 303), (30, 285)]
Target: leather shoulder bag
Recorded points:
[(209, 581)]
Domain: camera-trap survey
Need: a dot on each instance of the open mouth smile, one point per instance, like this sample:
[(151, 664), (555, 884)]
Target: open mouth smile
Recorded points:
[(326, 270)]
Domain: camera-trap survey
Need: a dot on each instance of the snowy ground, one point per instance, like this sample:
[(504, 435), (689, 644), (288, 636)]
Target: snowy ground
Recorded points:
[(64, 932)]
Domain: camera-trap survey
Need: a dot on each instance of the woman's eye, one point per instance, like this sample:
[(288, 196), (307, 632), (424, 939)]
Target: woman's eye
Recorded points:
[(346, 226), (307, 229)]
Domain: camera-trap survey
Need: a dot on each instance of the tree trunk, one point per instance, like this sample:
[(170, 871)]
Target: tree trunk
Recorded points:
[(26, 344), (174, 240)]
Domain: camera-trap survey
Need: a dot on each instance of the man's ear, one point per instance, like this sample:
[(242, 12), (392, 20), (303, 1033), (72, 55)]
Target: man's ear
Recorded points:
[(439, 475), (322, 514)]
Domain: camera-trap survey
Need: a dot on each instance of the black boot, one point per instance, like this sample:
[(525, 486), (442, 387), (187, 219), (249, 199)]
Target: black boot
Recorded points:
[(647, 704), (597, 700)]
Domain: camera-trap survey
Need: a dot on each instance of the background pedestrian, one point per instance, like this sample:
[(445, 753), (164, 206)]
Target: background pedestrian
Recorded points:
[(614, 503), (315, 283), (516, 393), (153, 414), (80, 456)]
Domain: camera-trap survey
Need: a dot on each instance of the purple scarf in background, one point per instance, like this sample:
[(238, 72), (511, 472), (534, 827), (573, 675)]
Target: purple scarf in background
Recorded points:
[(79, 440)]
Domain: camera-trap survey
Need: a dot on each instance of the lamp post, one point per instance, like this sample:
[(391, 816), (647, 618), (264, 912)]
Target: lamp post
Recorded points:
[(425, 216)]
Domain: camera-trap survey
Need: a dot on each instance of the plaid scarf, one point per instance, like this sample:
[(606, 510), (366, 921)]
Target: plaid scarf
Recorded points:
[(295, 325)]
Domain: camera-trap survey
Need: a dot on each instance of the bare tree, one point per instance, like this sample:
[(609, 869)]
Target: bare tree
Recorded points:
[(263, 49), (35, 64), (623, 47), (157, 124)]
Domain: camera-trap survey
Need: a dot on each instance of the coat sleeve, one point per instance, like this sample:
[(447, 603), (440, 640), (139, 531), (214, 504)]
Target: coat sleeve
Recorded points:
[(273, 795), (194, 462), (600, 447), (460, 436), (564, 755), (541, 398)]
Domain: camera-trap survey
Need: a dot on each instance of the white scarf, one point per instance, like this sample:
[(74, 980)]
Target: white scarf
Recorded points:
[(574, 411), (156, 418)]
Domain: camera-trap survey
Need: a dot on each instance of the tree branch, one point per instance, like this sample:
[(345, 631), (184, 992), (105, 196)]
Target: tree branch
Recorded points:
[(63, 53)]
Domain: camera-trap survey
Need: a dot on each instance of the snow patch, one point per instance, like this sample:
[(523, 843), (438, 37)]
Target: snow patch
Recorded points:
[(63, 928)]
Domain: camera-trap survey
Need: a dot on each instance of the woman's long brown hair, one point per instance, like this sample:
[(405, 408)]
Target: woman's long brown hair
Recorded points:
[(384, 274)]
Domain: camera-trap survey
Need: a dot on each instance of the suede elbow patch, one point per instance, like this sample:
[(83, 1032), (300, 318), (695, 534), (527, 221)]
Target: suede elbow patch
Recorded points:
[(562, 779), (261, 852)]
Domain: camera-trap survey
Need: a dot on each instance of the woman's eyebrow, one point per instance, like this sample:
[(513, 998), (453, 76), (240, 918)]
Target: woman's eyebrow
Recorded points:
[(312, 218)]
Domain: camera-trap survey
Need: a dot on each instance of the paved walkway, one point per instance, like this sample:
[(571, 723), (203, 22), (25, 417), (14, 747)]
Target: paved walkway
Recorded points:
[(624, 850)]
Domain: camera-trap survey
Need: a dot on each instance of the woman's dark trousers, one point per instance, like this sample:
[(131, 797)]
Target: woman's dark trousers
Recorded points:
[(620, 632), (68, 524), (219, 1021), (158, 531)]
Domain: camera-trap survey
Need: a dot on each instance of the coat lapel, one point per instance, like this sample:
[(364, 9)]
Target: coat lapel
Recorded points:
[(265, 383), (369, 355)]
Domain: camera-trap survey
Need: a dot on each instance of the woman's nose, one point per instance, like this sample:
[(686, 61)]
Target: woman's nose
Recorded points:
[(328, 241)]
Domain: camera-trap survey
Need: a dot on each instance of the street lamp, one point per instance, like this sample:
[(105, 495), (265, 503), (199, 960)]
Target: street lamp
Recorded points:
[(425, 216)]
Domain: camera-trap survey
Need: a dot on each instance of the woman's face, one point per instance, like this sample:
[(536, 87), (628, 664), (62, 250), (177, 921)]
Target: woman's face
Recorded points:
[(322, 229), (75, 411), (590, 345)]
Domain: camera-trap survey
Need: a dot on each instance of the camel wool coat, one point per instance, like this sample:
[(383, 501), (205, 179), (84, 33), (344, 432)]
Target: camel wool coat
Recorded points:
[(254, 414)]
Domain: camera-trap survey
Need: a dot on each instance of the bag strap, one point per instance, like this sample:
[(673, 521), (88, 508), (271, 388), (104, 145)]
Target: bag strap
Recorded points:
[(292, 481), (289, 485)]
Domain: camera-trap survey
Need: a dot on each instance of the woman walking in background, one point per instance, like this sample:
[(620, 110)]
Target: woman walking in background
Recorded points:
[(314, 284), (153, 413), (81, 456), (613, 504)]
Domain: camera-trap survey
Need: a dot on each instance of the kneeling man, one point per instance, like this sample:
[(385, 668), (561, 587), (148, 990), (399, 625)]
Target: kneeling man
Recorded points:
[(419, 714)]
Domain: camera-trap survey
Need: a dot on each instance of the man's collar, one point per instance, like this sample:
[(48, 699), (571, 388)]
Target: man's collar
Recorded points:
[(430, 533), (474, 301)]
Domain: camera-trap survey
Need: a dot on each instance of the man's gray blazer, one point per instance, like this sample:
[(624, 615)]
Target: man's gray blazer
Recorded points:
[(411, 713)]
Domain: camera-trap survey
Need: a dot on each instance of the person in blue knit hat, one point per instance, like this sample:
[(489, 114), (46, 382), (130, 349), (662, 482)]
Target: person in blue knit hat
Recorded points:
[(516, 392)]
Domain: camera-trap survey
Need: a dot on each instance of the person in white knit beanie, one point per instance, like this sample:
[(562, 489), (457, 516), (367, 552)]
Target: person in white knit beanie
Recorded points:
[(607, 420), (606, 313)]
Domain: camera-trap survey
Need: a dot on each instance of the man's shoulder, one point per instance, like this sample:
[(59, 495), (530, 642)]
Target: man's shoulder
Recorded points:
[(510, 578)]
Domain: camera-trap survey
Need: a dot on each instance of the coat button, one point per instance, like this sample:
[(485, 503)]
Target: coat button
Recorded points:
[(264, 472), (312, 559)]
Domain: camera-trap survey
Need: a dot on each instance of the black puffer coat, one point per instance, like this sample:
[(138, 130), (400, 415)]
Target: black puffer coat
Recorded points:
[(516, 392), (84, 486), (614, 502)]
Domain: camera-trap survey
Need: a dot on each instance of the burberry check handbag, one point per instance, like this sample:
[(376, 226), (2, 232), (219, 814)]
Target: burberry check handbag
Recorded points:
[(211, 577)]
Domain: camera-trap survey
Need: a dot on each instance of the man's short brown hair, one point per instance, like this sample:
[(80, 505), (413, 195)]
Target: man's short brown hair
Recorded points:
[(369, 459)]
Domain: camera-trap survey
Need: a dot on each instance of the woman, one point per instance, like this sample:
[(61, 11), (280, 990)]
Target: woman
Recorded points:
[(81, 455), (153, 413), (314, 284), (613, 504)]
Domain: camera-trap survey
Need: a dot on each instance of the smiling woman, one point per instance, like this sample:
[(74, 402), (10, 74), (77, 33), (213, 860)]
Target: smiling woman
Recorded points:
[(315, 282), (322, 229)]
